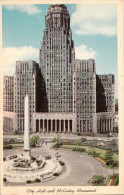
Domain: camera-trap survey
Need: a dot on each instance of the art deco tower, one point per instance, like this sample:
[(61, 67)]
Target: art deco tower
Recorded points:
[(56, 58)]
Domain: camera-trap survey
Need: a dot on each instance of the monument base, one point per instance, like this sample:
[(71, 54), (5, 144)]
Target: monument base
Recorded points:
[(27, 154)]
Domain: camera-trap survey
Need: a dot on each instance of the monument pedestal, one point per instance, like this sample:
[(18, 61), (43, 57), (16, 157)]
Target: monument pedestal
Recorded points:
[(26, 154)]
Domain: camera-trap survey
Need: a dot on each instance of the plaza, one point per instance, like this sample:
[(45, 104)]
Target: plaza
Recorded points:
[(79, 167)]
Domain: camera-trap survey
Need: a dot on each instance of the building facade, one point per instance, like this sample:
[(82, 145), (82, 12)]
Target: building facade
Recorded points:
[(105, 89), (28, 80), (65, 94), (8, 103), (84, 94), (8, 93), (56, 57)]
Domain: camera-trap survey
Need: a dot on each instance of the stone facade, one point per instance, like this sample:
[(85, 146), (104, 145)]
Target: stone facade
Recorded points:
[(8, 103), (56, 57), (65, 95), (8, 121), (54, 122), (103, 122), (105, 89), (84, 94), (28, 80)]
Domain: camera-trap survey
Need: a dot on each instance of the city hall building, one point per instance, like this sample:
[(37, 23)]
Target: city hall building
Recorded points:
[(65, 94)]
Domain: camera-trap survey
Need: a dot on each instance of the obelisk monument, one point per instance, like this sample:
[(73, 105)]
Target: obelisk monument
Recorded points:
[(26, 149)]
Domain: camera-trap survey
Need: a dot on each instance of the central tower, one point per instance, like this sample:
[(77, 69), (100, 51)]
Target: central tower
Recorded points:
[(56, 59)]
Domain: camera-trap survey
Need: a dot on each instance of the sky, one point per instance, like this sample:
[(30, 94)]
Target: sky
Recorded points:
[(94, 32)]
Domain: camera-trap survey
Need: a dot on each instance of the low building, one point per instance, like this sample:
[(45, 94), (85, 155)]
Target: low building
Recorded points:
[(103, 122)]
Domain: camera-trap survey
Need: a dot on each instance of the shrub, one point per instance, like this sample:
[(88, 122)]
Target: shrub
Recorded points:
[(37, 180), (74, 149), (56, 174), (61, 163), (116, 181), (83, 139), (82, 150), (54, 140), (78, 142), (28, 181), (8, 146), (34, 140), (98, 180), (109, 155), (78, 149), (57, 145), (4, 180), (90, 152)]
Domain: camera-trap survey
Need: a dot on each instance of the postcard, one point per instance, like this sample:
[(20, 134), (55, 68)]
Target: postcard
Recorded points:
[(62, 90)]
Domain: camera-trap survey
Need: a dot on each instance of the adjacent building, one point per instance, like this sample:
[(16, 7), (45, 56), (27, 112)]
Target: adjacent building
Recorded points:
[(8, 93), (84, 94), (8, 103), (28, 80), (105, 89)]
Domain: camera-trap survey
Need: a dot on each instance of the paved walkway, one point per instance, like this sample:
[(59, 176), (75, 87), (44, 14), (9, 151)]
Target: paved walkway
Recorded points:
[(79, 167)]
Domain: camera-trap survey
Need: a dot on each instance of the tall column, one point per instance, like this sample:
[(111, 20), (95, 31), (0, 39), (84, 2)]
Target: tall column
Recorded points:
[(68, 127), (43, 125), (59, 125), (39, 125), (100, 125), (51, 125), (103, 125), (109, 124), (26, 149), (64, 125), (47, 125), (106, 125), (55, 125)]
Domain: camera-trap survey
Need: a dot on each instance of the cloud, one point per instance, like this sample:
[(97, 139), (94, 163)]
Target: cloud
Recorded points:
[(29, 9), (12, 54), (83, 52), (95, 19)]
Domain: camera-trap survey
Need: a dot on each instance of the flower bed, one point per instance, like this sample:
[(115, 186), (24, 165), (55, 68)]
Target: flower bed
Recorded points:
[(111, 182), (101, 159)]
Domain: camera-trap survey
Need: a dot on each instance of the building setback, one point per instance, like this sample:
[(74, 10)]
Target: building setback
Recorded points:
[(56, 57)]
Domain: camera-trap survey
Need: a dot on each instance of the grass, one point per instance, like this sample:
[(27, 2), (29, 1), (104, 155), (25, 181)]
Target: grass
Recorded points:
[(115, 156), (17, 145), (100, 151)]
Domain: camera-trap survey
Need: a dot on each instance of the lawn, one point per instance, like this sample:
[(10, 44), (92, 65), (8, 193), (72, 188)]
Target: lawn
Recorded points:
[(88, 148), (16, 145)]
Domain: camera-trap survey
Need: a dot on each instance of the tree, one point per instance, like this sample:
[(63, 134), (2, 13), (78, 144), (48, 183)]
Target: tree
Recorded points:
[(109, 157), (78, 142), (34, 140), (57, 142)]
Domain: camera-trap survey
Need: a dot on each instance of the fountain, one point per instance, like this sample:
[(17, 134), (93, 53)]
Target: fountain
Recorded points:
[(23, 167)]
